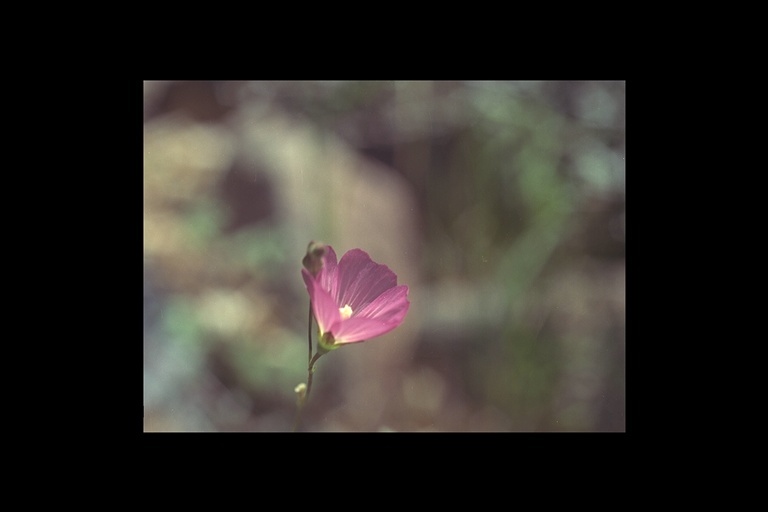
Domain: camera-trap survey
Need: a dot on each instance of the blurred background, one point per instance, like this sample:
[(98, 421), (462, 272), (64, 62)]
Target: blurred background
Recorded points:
[(500, 204)]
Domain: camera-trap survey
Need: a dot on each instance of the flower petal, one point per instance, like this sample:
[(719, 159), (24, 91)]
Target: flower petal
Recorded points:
[(324, 307), (361, 280), (361, 329), (377, 318), (390, 306), (327, 276)]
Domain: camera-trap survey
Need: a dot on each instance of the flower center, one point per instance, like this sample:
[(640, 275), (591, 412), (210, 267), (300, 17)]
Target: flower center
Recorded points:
[(346, 312)]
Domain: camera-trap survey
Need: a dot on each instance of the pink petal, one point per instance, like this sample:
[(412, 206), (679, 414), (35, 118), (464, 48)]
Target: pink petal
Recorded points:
[(379, 317), (390, 306), (327, 275), (355, 330), (361, 280), (325, 308)]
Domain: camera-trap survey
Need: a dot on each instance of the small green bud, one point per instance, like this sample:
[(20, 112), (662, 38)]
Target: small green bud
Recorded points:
[(301, 393)]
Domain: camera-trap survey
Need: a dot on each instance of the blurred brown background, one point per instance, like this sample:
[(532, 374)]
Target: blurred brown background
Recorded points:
[(500, 204)]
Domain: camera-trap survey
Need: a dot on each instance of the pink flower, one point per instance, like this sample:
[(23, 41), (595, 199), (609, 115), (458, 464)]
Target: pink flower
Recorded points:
[(356, 299)]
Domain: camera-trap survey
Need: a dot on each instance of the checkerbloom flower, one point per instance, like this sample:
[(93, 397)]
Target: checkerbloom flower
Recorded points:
[(355, 299)]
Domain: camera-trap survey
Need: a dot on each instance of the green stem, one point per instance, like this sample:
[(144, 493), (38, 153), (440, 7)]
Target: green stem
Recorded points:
[(303, 400), (310, 371)]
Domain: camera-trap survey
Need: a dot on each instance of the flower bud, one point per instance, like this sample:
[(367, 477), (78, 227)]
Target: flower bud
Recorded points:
[(301, 393), (313, 261)]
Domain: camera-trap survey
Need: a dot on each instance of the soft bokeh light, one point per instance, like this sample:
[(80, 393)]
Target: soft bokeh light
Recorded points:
[(500, 204)]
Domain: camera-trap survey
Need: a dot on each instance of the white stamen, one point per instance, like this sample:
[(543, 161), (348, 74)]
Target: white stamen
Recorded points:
[(346, 312)]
